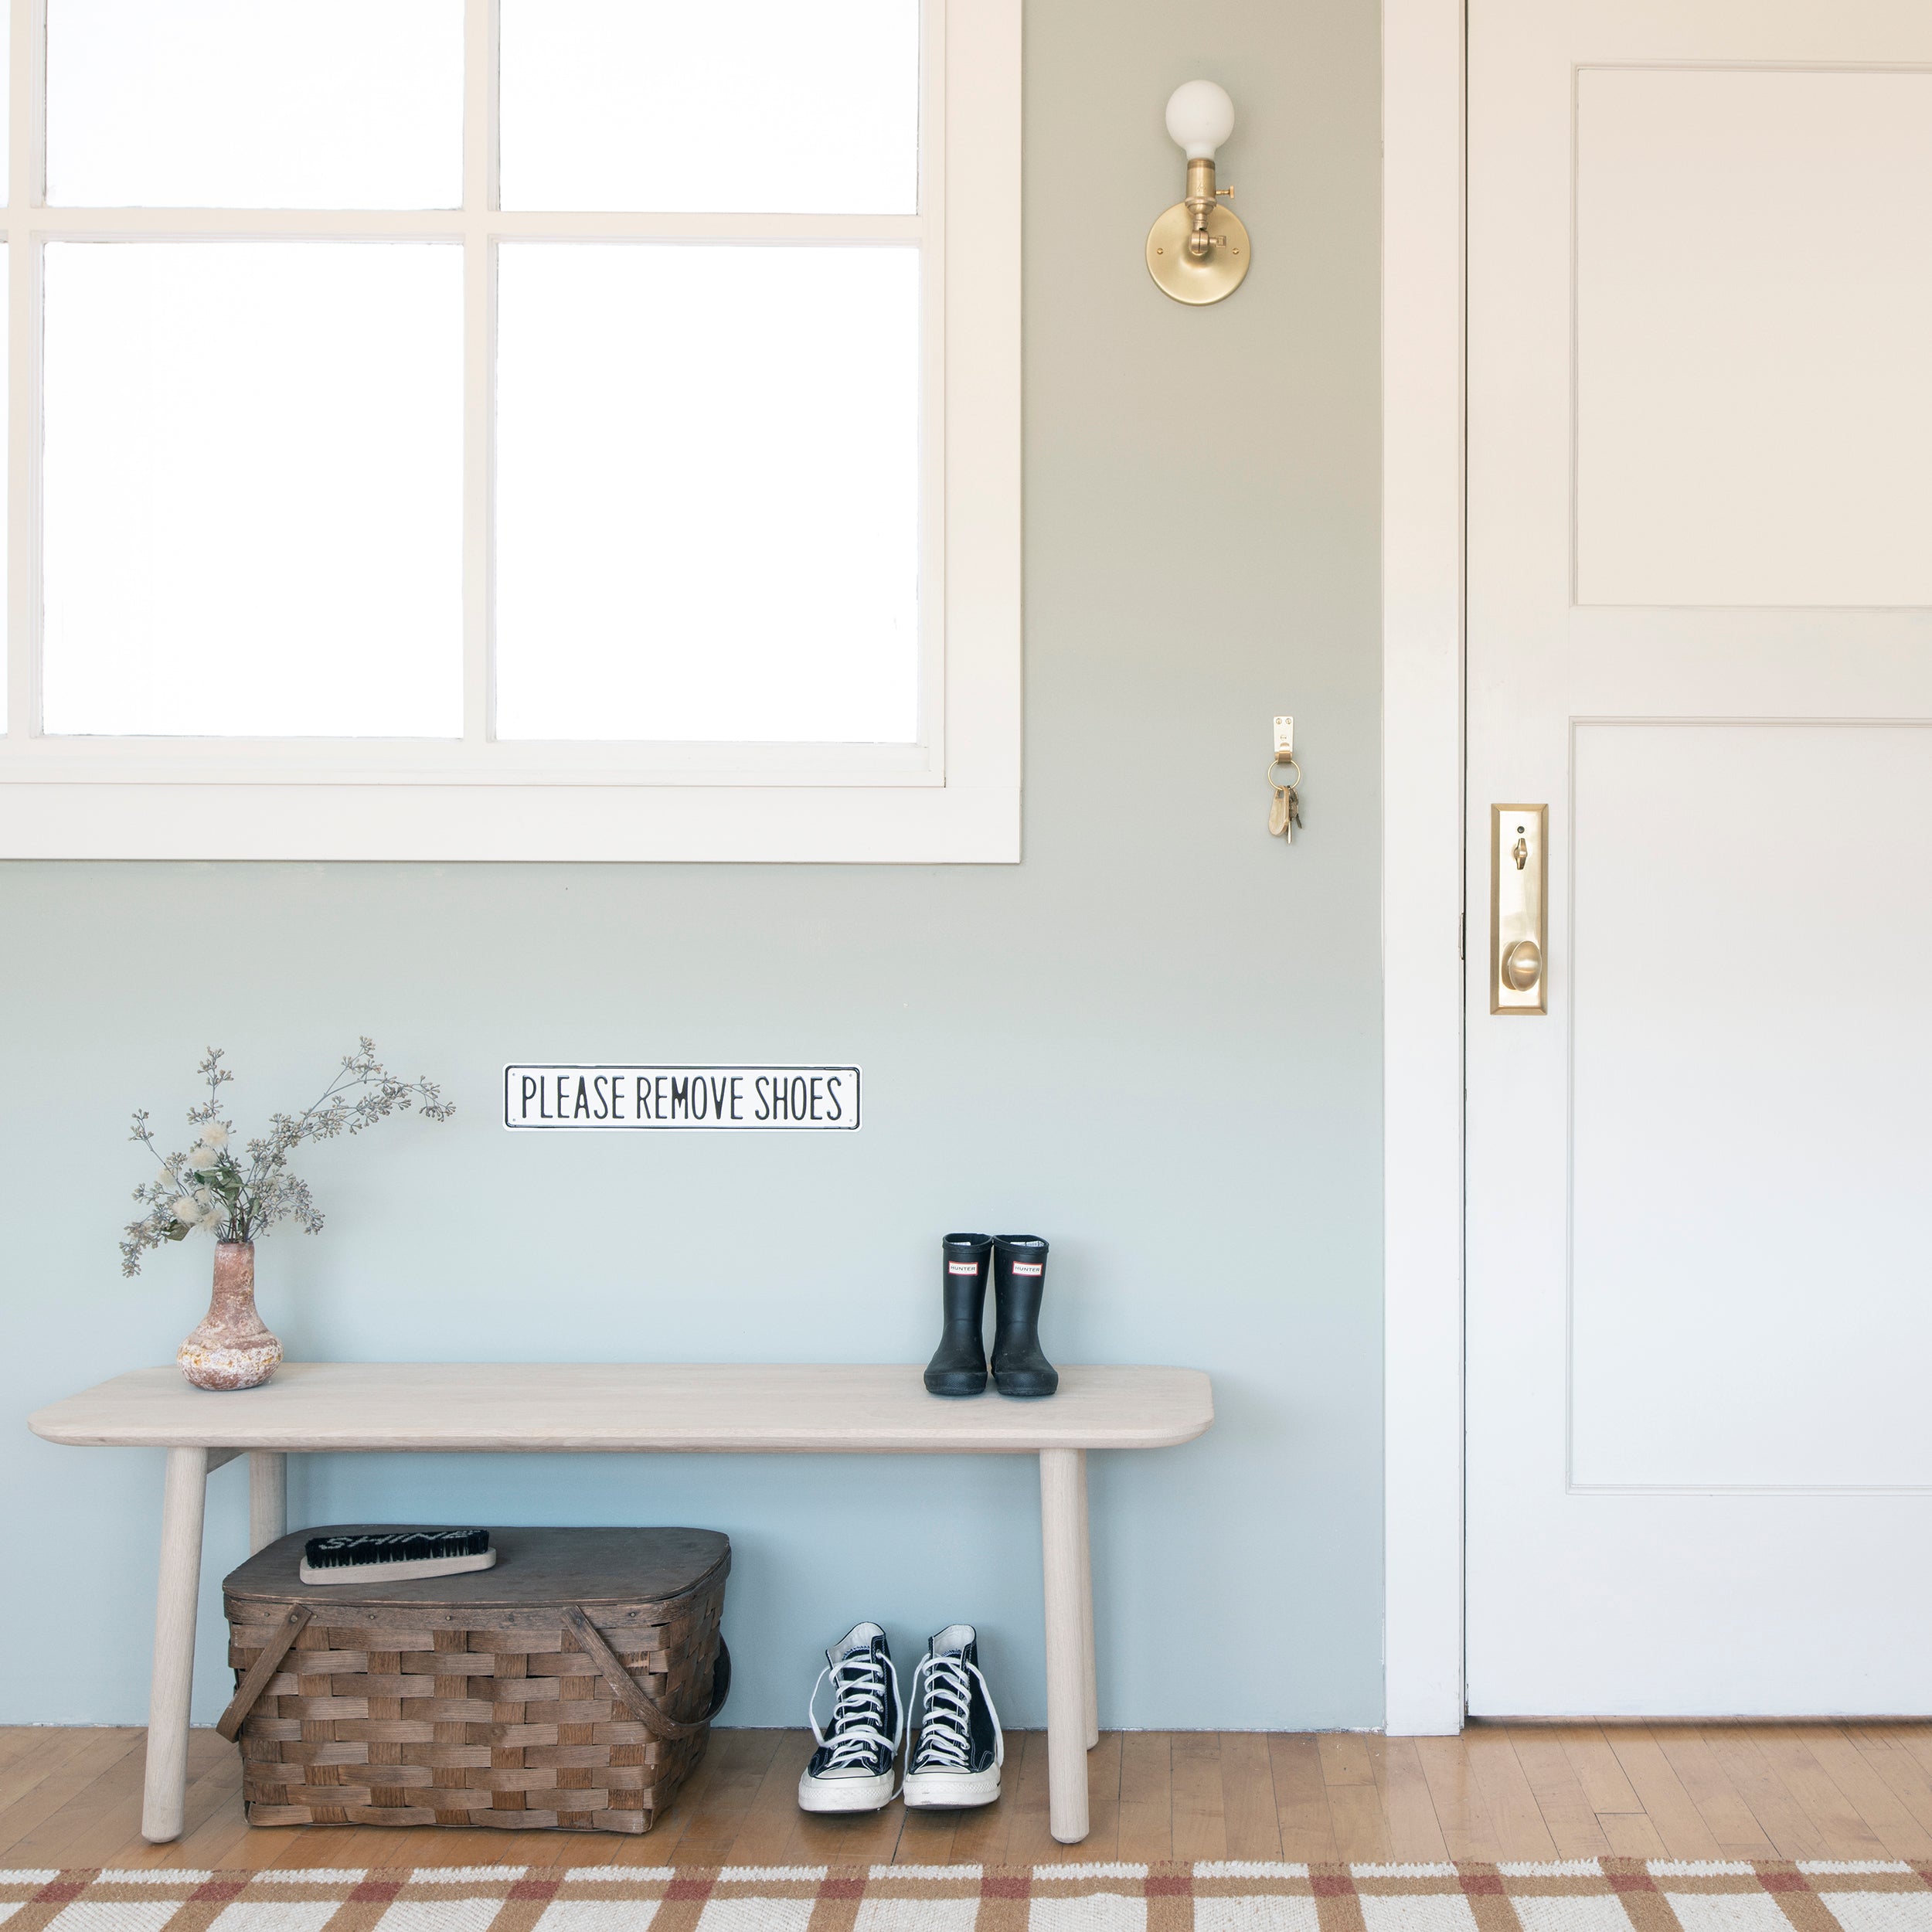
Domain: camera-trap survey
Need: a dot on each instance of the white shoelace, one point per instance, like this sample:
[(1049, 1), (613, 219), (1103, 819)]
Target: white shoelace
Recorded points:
[(858, 1708), (945, 1714)]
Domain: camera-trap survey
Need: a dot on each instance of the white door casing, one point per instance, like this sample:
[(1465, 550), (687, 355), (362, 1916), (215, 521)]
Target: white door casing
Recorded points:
[(1422, 461), (1699, 497)]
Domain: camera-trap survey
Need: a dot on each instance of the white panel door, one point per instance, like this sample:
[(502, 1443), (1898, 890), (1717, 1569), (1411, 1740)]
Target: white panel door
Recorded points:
[(1700, 628)]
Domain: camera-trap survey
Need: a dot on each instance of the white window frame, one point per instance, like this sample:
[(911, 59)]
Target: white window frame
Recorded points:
[(951, 797)]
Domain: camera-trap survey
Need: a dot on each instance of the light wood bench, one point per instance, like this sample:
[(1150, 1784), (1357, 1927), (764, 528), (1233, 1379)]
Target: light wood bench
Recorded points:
[(320, 1407)]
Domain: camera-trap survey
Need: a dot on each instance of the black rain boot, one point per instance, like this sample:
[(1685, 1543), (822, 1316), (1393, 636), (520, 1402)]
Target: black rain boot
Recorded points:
[(958, 1366), (1020, 1279)]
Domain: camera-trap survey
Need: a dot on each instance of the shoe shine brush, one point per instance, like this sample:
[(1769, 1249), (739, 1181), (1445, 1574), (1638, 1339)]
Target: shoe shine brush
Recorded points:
[(393, 1555)]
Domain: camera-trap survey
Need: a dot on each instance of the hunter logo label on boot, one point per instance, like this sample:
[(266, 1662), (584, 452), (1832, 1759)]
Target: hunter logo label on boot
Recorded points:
[(790, 1099)]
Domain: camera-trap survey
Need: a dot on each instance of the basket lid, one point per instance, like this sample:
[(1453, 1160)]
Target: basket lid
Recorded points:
[(534, 1569)]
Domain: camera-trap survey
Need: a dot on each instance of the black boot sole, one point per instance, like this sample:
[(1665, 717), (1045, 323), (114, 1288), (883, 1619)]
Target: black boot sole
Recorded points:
[(955, 1382), (1026, 1389)]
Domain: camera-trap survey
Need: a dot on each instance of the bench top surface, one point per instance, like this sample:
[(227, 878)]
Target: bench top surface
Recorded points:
[(747, 1408)]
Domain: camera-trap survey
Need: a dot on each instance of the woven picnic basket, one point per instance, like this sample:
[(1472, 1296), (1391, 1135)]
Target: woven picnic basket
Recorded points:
[(571, 1687)]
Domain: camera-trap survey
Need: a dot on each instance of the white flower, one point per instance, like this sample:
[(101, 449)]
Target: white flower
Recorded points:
[(203, 1159), (214, 1135), (185, 1207), (166, 1178)]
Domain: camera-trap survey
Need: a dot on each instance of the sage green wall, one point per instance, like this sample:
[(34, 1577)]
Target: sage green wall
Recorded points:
[(1156, 1041)]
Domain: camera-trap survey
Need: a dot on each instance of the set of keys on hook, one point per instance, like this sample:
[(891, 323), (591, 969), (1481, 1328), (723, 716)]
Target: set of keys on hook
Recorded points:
[(1285, 814)]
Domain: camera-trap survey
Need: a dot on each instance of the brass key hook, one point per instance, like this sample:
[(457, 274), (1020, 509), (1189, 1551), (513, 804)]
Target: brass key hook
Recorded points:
[(1285, 814)]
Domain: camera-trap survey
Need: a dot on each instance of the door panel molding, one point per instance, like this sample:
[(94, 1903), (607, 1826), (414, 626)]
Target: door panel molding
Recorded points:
[(1787, 468), (1574, 1008)]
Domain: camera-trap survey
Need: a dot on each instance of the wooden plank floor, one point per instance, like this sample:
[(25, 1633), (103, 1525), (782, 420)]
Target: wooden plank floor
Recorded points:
[(1812, 1791)]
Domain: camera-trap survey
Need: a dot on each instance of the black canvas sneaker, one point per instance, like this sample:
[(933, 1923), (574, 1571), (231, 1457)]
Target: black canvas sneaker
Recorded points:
[(960, 1750), (856, 1766)]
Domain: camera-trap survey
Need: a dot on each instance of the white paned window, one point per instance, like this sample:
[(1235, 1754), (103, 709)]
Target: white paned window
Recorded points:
[(511, 429)]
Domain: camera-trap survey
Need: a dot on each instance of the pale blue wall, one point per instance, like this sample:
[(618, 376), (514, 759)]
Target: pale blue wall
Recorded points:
[(1154, 1042)]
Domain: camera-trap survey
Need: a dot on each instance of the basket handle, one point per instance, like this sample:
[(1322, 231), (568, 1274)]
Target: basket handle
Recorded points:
[(248, 1691), (631, 1695)]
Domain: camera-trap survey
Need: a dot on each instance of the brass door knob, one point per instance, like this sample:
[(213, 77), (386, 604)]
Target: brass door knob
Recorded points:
[(1523, 965)]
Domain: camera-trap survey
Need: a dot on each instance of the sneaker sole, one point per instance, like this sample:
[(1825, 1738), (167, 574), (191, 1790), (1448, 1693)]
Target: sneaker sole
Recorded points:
[(846, 1794), (951, 1791)]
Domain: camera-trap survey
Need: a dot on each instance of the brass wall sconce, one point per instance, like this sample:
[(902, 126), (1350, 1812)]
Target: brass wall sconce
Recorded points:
[(1197, 251)]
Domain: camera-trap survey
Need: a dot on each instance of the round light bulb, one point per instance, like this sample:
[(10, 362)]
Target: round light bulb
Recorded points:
[(1199, 116)]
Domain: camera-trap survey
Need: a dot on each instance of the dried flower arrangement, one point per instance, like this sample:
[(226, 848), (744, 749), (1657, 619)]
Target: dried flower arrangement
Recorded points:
[(236, 1196)]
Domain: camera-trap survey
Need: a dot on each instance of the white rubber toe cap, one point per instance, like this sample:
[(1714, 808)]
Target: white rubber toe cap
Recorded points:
[(846, 1794), (951, 1791)]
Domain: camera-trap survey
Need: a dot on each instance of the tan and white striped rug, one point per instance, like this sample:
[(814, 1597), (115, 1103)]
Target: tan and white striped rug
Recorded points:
[(1610, 1894)]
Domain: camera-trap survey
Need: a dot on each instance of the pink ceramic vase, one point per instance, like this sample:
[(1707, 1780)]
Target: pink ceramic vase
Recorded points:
[(231, 1350)]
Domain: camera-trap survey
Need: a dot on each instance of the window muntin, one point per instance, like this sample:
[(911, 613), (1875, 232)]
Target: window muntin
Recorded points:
[(686, 412)]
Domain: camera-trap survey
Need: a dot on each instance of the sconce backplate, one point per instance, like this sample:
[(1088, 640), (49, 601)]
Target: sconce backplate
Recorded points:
[(1198, 279)]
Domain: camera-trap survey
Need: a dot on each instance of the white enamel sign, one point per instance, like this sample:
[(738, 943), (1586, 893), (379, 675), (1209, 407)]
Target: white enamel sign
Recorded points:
[(758, 1099)]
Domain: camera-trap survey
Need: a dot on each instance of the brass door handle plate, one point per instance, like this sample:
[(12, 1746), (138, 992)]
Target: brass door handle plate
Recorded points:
[(1519, 915)]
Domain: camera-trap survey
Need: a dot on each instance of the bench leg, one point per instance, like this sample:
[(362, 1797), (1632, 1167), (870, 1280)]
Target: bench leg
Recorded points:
[(268, 1498), (1086, 1617), (183, 1502), (1062, 1491)]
